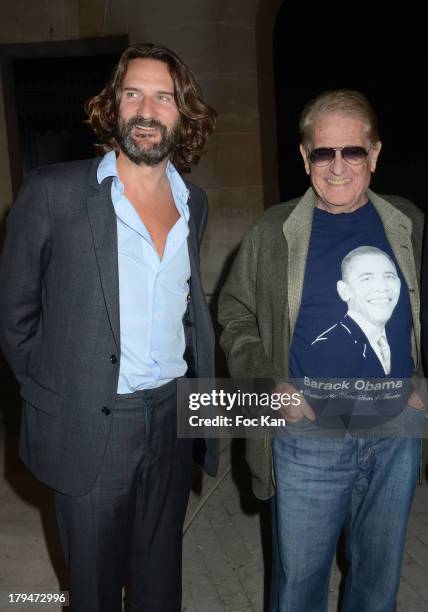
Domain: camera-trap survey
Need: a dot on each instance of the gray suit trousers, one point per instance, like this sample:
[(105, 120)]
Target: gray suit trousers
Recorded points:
[(128, 528)]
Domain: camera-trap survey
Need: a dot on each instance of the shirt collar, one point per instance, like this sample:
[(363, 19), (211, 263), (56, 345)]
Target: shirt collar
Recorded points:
[(179, 189), (108, 167), (371, 331)]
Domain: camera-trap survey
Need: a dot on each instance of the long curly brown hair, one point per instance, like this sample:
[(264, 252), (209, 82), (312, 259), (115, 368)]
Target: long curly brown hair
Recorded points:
[(197, 119)]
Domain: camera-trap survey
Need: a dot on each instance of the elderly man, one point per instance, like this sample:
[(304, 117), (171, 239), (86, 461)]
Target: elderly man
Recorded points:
[(102, 310), (282, 291)]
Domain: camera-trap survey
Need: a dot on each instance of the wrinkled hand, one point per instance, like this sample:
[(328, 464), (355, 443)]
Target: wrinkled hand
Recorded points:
[(293, 413)]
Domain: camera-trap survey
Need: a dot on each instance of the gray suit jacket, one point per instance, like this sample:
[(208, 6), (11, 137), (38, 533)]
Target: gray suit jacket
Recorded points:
[(59, 320)]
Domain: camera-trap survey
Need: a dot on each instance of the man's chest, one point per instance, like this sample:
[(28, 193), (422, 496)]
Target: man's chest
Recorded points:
[(159, 215)]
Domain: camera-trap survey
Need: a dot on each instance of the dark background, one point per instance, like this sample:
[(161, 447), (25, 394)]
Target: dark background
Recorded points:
[(50, 95), (377, 48)]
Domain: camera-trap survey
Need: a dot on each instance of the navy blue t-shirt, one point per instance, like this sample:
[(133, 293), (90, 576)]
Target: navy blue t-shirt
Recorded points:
[(327, 342)]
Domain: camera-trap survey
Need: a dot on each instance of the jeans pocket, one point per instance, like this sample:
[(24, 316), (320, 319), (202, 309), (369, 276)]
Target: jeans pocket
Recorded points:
[(304, 427)]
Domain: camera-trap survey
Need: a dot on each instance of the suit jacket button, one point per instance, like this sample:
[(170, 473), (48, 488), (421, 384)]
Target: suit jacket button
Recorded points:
[(106, 410), (113, 359)]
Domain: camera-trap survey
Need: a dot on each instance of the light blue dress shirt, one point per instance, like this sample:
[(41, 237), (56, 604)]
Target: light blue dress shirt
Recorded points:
[(152, 291)]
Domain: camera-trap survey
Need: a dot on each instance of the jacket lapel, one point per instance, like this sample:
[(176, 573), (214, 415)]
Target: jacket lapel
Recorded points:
[(297, 232), (195, 287), (102, 220), (193, 247), (193, 254)]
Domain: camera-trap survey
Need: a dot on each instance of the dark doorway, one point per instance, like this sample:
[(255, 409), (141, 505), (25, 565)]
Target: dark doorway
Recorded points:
[(377, 48), (50, 94), (45, 88)]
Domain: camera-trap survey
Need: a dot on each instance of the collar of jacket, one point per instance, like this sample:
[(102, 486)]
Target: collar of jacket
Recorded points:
[(398, 229)]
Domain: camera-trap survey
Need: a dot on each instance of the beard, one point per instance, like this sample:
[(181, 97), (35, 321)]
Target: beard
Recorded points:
[(149, 155)]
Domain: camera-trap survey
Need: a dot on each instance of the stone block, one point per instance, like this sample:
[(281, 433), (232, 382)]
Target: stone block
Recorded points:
[(232, 594), (119, 17), (418, 522), (245, 527), (235, 100), (243, 204), (215, 560), (160, 14), (231, 211), (24, 557), (418, 550), (232, 160), (211, 606), (414, 574), (196, 45), (203, 591), (239, 12), (236, 50), (408, 597), (39, 20), (232, 544), (91, 17)]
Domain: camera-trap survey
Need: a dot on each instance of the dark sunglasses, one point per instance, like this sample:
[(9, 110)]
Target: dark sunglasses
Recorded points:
[(351, 155)]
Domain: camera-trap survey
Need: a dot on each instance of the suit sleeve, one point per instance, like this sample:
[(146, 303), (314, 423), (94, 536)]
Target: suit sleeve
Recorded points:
[(424, 300), (24, 260), (240, 340), (198, 205)]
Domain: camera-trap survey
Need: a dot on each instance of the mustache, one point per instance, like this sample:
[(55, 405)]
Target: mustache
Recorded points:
[(141, 122)]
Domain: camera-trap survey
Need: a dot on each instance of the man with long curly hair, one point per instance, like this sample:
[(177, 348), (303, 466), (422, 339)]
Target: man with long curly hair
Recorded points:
[(102, 310)]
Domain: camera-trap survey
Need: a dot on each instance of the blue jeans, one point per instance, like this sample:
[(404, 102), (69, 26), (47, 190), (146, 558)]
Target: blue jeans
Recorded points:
[(325, 484)]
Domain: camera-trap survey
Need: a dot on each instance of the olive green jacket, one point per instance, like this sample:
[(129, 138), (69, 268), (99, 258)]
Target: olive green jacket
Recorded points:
[(260, 300)]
